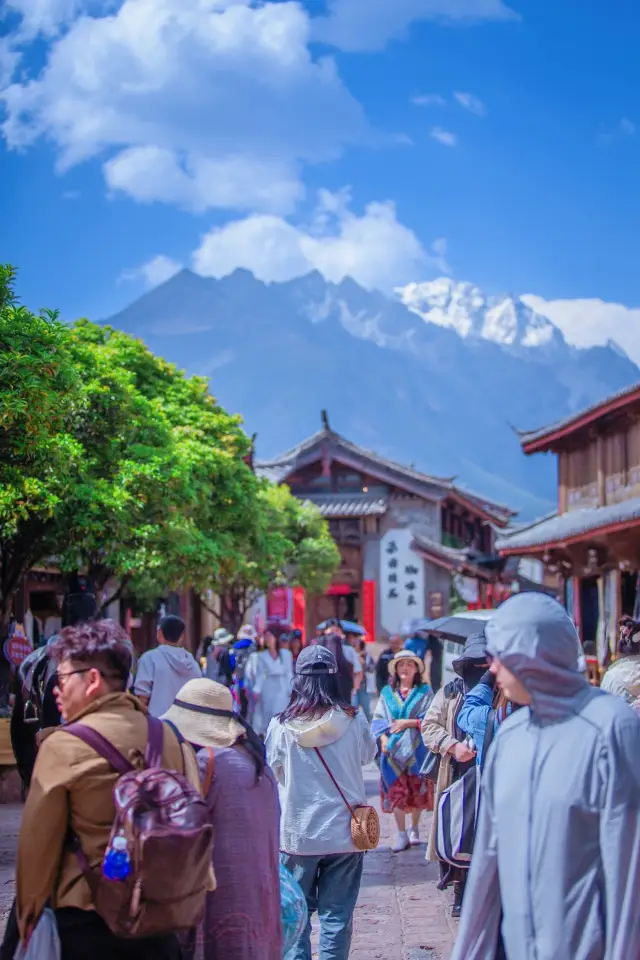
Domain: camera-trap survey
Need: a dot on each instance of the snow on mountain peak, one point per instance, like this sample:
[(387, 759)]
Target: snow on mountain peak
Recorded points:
[(465, 308)]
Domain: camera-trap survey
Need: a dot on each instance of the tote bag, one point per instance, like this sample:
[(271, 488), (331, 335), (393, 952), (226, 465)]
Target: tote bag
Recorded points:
[(458, 811)]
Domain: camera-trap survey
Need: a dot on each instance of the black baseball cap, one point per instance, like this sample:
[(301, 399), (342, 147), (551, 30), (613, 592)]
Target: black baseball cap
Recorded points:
[(316, 661)]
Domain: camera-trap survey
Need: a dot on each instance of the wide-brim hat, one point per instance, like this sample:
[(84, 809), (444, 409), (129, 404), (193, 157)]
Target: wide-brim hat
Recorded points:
[(409, 655), (475, 651), (222, 637), (203, 714)]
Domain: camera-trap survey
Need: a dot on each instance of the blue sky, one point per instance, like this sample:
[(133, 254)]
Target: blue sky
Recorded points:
[(393, 140)]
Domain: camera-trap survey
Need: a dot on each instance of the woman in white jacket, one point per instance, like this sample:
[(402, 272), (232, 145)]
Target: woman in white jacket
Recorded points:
[(315, 828), (269, 674)]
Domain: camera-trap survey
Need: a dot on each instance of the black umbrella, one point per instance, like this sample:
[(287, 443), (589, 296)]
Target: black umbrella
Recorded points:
[(455, 627)]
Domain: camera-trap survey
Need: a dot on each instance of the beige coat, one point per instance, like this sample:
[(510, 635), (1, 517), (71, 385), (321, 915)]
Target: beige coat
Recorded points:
[(73, 785), (439, 735)]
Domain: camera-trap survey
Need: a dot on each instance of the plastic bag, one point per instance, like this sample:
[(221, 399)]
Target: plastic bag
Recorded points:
[(44, 943), (294, 909)]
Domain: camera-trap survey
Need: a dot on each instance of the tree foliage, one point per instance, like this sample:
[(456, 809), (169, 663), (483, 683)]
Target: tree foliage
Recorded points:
[(289, 544), (40, 392), (116, 463)]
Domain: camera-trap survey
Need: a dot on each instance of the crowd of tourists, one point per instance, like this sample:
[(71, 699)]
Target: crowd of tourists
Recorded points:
[(207, 807)]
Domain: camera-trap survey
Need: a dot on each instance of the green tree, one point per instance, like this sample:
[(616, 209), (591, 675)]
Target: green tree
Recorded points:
[(287, 544), (40, 392), (163, 491)]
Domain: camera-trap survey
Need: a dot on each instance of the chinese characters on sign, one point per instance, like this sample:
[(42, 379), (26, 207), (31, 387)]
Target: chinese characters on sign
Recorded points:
[(402, 580)]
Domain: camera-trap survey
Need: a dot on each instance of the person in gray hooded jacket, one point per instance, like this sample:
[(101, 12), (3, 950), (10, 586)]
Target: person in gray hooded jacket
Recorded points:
[(556, 862)]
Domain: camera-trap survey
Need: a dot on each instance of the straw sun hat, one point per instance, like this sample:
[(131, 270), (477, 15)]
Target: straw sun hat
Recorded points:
[(203, 713), (409, 655)]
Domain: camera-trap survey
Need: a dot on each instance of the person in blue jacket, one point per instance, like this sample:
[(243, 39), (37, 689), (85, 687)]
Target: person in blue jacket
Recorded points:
[(478, 706)]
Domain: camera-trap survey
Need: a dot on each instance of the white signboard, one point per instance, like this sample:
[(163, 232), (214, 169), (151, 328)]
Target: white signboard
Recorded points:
[(401, 580)]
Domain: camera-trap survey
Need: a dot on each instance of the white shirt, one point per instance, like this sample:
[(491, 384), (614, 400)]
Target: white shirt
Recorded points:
[(352, 657), (314, 818)]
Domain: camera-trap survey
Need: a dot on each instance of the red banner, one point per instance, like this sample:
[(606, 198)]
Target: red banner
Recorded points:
[(278, 604), (299, 611), (369, 609)]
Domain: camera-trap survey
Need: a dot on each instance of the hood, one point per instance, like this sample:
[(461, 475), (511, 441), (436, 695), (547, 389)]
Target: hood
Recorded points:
[(178, 658), (475, 649), (321, 731), (534, 637)]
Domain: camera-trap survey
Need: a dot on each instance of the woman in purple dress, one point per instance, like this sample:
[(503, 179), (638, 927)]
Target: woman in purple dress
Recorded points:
[(243, 915)]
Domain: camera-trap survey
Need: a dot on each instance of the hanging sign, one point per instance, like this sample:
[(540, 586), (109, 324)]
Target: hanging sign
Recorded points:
[(17, 647), (402, 587)]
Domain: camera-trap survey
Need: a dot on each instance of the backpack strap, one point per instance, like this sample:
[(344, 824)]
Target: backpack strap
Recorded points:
[(153, 754), (101, 745), (208, 777)]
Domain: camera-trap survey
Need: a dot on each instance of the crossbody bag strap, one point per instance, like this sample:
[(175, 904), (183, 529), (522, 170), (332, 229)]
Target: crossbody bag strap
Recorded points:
[(335, 782)]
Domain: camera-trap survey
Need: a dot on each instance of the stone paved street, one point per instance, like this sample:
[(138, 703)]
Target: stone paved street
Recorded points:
[(400, 914)]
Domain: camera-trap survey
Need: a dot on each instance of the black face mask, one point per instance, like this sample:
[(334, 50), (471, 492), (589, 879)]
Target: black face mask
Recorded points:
[(472, 673)]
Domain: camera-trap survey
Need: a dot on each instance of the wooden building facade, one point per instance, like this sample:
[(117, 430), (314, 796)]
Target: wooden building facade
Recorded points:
[(402, 534), (591, 545)]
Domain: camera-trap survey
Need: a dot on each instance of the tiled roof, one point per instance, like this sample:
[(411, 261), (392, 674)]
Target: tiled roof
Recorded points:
[(458, 560), (560, 528), (589, 413), (338, 505), (278, 470)]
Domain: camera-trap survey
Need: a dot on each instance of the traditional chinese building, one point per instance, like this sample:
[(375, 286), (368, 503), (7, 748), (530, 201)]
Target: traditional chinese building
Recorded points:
[(591, 544), (403, 535)]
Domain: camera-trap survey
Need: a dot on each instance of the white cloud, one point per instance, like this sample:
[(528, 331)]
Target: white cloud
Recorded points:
[(157, 270), (445, 137), (215, 95), (375, 249), (241, 183), (588, 323), (45, 17), (627, 127), (429, 100), (369, 24), (471, 103)]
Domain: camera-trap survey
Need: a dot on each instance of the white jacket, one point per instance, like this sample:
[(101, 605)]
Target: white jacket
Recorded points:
[(315, 820)]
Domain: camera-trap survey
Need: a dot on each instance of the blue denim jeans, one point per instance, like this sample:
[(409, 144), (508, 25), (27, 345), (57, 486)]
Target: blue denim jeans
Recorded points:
[(331, 885)]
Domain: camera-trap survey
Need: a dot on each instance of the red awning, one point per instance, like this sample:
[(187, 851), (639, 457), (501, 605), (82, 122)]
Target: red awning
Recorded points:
[(338, 590)]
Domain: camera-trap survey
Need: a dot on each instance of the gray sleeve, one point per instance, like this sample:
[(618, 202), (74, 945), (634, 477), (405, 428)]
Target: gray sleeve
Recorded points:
[(368, 745), (481, 912), (273, 749), (145, 676), (620, 841)]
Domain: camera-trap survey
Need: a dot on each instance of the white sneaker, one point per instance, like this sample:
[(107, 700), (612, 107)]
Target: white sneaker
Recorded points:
[(402, 843), (414, 837)]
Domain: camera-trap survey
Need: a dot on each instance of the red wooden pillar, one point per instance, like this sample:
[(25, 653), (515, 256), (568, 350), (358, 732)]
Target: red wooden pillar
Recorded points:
[(300, 611), (369, 609)]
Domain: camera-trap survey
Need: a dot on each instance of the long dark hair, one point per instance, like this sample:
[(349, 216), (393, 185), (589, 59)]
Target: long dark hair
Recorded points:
[(333, 642), (253, 746), (313, 696)]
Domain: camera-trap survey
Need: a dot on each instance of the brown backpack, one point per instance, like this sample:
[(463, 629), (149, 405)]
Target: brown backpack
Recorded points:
[(170, 839)]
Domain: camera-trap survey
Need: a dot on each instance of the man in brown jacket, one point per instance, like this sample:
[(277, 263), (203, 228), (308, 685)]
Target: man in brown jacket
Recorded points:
[(72, 786)]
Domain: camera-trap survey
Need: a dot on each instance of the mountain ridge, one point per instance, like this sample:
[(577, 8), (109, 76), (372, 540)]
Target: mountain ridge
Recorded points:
[(413, 389)]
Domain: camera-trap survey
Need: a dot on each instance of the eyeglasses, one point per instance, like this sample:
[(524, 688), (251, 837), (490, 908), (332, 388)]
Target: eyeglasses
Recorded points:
[(62, 678)]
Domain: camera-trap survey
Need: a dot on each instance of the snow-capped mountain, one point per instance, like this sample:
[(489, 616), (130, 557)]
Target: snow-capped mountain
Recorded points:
[(465, 308), (437, 377)]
